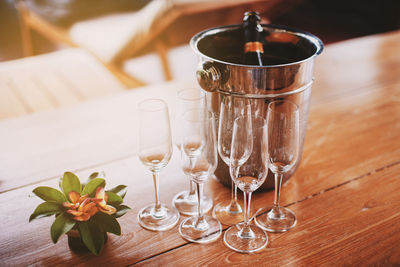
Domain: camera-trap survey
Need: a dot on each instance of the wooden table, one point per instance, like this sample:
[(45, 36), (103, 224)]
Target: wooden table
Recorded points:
[(345, 192)]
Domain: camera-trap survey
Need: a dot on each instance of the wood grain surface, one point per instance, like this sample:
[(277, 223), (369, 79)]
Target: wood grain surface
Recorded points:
[(345, 192)]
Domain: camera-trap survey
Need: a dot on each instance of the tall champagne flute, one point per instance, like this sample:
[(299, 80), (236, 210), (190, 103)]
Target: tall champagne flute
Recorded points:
[(155, 150), (249, 169), (283, 149), (230, 212), (200, 154), (186, 201)]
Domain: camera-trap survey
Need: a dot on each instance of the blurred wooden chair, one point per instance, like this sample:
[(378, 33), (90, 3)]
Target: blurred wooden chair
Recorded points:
[(53, 80), (116, 37)]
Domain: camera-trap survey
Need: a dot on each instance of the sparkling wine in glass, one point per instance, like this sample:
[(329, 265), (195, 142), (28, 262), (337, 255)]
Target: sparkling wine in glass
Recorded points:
[(199, 154), (155, 151), (249, 169), (283, 150), (186, 201), (229, 212)]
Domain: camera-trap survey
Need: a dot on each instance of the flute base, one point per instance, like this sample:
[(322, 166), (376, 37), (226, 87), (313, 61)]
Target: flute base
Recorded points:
[(164, 220), (276, 220), (204, 233), (187, 204), (257, 240), (228, 213)]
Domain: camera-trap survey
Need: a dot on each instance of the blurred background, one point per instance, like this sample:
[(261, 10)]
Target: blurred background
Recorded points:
[(332, 21), (142, 42)]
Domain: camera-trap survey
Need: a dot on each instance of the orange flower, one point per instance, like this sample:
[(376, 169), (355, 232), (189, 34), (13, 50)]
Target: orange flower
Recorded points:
[(84, 207), (101, 201)]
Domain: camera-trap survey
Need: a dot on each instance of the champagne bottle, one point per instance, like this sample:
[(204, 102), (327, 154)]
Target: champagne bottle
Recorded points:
[(253, 47)]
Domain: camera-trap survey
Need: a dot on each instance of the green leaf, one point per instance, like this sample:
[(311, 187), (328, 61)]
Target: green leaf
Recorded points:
[(92, 236), (62, 224), (107, 223), (93, 175), (119, 190), (121, 210), (60, 182), (91, 187), (101, 174), (46, 209), (113, 199), (49, 194), (70, 183)]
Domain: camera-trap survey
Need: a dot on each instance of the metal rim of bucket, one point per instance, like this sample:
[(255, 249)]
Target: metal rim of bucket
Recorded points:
[(277, 28), (262, 96)]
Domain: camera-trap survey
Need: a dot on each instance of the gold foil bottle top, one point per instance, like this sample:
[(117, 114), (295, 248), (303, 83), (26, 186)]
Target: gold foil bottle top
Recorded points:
[(253, 47)]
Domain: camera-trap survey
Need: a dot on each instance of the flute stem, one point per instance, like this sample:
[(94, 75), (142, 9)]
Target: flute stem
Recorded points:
[(201, 223), (158, 212), (246, 231)]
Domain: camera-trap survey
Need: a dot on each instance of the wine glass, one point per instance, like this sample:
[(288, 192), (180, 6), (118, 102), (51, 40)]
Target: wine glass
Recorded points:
[(155, 150), (283, 149), (186, 201), (249, 169), (230, 212), (200, 160)]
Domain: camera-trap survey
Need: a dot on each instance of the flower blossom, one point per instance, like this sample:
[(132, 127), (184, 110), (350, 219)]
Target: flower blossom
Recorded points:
[(84, 207)]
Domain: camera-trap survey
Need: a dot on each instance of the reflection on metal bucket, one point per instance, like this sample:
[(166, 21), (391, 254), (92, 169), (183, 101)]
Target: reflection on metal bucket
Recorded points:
[(289, 75)]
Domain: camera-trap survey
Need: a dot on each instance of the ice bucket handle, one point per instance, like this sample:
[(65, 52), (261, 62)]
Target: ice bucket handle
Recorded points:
[(211, 75), (208, 76)]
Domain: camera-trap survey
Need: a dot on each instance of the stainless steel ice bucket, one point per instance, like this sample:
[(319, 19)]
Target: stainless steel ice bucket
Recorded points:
[(288, 75)]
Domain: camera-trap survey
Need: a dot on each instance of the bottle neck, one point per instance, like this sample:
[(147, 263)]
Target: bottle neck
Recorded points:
[(252, 37), (253, 46)]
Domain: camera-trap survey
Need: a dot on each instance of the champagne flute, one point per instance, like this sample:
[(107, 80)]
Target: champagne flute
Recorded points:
[(249, 169), (283, 149), (200, 160), (229, 213), (186, 201), (155, 150)]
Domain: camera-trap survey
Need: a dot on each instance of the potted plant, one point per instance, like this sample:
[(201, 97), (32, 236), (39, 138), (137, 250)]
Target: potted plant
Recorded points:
[(85, 212)]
